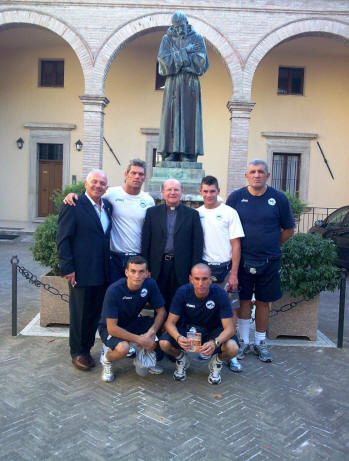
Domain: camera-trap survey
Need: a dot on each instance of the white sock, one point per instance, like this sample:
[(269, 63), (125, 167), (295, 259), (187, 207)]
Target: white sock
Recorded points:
[(258, 337), (244, 330), (105, 357)]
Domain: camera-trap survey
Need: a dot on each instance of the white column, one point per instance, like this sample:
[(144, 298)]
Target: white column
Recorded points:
[(239, 130), (93, 132)]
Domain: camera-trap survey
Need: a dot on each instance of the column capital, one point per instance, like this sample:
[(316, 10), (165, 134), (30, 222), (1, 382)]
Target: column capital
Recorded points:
[(94, 102), (240, 108)]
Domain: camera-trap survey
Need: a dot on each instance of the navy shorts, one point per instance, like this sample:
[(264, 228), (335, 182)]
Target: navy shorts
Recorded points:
[(266, 286), (138, 326), (206, 335), (117, 265)]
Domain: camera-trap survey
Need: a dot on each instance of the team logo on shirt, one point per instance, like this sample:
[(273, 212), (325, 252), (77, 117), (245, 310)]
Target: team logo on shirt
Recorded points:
[(210, 304), (142, 203), (144, 292), (219, 217), (272, 201), (190, 305)]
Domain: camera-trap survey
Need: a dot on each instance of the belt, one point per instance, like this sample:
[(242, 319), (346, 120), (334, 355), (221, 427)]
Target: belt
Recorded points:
[(168, 257), (118, 253), (225, 264)]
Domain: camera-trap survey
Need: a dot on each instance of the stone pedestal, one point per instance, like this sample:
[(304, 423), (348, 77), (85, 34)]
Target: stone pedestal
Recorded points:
[(53, 309), (189, 174), (301, 320)]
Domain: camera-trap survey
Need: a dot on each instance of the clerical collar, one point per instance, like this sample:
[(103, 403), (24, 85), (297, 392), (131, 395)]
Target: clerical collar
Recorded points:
[(172, 208)]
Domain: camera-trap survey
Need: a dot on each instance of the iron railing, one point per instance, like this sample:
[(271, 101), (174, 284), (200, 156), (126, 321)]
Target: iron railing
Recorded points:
[(310, 215)]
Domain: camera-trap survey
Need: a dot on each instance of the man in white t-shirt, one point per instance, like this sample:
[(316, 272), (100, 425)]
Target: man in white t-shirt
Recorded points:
[(222, 232), (129, 204)]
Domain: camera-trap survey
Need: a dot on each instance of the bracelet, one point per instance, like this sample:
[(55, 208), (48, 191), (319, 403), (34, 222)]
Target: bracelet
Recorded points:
[(178, 338)]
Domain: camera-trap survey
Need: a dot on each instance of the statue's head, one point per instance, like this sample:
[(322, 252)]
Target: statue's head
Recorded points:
[(180, 23)]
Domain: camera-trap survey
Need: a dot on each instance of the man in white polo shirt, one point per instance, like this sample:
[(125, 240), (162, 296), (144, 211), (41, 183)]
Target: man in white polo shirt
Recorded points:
[(222, 232)]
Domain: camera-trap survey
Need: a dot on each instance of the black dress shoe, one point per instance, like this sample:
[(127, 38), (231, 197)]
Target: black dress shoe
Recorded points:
[(91, 360), (81, 362)]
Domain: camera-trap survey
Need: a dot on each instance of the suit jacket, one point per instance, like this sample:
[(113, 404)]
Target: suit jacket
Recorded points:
[(83, 247), (188, 240)]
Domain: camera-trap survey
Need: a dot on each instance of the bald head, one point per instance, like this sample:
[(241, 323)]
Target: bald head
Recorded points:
[(201, 279), (172, 192)]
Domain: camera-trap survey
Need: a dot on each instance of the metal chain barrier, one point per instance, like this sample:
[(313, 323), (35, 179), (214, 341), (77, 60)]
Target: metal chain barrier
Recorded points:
[(286, 307), (33, 279)]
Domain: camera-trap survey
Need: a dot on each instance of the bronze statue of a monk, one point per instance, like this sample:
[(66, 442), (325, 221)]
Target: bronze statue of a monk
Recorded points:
[(182, 59)]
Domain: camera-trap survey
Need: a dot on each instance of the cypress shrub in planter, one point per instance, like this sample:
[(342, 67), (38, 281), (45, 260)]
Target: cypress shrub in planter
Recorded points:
[(307, 269), (53, 308)]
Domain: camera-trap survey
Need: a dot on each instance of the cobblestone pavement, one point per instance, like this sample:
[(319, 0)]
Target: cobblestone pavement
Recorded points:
[(296, 408)]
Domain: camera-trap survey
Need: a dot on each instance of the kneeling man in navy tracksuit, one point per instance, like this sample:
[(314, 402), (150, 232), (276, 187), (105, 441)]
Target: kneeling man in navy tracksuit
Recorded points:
[(208, 309)]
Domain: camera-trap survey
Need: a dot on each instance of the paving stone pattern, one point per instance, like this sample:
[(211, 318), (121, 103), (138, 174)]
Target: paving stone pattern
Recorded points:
[(296, 408)]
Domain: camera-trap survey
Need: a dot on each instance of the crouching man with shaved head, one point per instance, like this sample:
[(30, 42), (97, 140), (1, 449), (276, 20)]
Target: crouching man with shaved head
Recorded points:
[(207, 309)]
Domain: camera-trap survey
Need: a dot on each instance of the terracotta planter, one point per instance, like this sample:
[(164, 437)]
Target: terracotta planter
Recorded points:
[(53, 309), (301, 320)]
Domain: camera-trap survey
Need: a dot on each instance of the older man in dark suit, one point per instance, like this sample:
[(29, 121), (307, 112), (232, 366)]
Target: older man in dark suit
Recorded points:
[(172, 240), (83, 247)]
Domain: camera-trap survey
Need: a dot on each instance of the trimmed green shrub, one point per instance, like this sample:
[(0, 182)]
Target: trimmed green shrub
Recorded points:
[(307, 265), (45, 249), (297, 205)]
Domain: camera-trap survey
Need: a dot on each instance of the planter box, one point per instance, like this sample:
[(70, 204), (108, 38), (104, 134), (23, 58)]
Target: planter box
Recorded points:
[(53, 309), (301, 320)]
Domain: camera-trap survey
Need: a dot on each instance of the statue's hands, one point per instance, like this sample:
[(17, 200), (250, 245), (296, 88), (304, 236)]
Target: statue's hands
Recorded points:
[(191, 48)]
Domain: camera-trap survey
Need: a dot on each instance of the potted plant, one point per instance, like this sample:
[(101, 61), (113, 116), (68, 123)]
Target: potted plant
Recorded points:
[(307, 269), (53, 308)]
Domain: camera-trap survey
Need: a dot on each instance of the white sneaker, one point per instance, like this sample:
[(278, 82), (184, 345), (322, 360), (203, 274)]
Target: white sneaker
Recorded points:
[(235, 365), (107, 373), (182, 364), (131, 352), (156, 370), (215, 367)]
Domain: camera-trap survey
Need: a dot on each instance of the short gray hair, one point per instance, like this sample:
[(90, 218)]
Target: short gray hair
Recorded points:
[(94, 171), (258, 161), (137, 162)]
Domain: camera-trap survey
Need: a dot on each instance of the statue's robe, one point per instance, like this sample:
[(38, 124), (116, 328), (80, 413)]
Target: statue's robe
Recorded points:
[(181, 119)]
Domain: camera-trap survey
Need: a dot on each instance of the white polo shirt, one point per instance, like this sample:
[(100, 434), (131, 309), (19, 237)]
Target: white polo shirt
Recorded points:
[(220, 225), (127, 218)]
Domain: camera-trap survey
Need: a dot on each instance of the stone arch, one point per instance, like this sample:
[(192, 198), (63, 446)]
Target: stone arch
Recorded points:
[(292, 29), (22, 16), (137, 27)]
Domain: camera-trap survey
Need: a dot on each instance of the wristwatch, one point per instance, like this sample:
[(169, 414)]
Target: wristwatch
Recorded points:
[(217, 343)]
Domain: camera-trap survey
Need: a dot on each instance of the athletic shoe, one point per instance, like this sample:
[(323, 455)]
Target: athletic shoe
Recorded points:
[(215, 368), (244, 349), (131, 352), (262, 351), (204, 357), (235, 365), (156, 370), (107, 374), (182, 364)]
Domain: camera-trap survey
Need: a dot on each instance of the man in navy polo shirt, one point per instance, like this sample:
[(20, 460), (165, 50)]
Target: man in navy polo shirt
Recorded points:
[(267, 219), (120, 324), (208, 309)]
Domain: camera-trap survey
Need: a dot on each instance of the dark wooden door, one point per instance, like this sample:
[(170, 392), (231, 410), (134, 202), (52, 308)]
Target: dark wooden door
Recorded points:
[(50, 157)]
